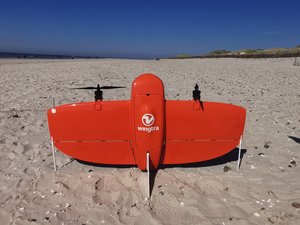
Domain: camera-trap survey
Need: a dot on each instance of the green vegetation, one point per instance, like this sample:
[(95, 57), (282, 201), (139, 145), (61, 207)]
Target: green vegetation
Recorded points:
[(248, 53), (219, 52), (183, 56)]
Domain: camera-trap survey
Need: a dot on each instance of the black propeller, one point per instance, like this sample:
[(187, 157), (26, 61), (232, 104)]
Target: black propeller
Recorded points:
[(98, 92), (98, 87)]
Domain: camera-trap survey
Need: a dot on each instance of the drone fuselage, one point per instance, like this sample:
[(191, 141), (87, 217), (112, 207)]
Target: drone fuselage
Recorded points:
[(147, 119)]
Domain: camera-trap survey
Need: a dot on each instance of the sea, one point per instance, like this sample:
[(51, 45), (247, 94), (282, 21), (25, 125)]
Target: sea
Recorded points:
[(11, 55)]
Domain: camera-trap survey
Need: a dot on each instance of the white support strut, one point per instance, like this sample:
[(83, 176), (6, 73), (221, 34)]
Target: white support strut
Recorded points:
[(53, 154), (239, 156), (148, 172)]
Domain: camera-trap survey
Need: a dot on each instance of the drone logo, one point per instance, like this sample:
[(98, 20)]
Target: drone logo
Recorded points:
[(148, 119)]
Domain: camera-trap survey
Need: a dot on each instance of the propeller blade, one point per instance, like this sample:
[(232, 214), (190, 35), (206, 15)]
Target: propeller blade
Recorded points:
[(98, 87), (85, 88), (111, 87)]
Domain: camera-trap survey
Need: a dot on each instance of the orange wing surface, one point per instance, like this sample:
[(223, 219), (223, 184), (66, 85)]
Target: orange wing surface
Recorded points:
[(96, 132), (195, 134)]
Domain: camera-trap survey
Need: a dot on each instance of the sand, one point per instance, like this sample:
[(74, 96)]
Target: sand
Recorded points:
[(266, 189)]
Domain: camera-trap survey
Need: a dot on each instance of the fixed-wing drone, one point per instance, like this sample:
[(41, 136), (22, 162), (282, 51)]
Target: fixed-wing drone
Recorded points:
[(147, 130)]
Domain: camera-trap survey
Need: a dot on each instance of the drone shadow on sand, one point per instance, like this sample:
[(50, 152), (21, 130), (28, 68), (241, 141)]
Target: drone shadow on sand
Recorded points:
[(297, 140), (229, 157)]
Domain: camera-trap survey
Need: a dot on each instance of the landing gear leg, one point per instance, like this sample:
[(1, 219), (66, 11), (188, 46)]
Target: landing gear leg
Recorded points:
[(239, 156), (53, 154), (148, 172)]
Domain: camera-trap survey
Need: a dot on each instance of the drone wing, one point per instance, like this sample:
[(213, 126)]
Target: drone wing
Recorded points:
[(96, 132), (195, 134)]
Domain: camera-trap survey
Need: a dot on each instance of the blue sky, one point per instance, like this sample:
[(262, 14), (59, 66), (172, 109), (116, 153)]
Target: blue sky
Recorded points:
[(132, 28)]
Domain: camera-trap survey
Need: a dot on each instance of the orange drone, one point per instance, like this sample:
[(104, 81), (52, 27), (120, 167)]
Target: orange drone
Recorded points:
[(146, 130)]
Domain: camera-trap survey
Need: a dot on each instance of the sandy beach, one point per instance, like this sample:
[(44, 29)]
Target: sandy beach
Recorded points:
[(266, 189)]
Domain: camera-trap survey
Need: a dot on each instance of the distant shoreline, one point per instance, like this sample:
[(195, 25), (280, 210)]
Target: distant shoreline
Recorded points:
[(248, 53), (12, 55)]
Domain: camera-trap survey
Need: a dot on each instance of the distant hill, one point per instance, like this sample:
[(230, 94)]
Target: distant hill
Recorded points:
[(248, 53)]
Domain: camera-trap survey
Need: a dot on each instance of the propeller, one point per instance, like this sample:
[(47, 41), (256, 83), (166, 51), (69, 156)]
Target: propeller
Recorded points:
[(98, 92), (99, 87)]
